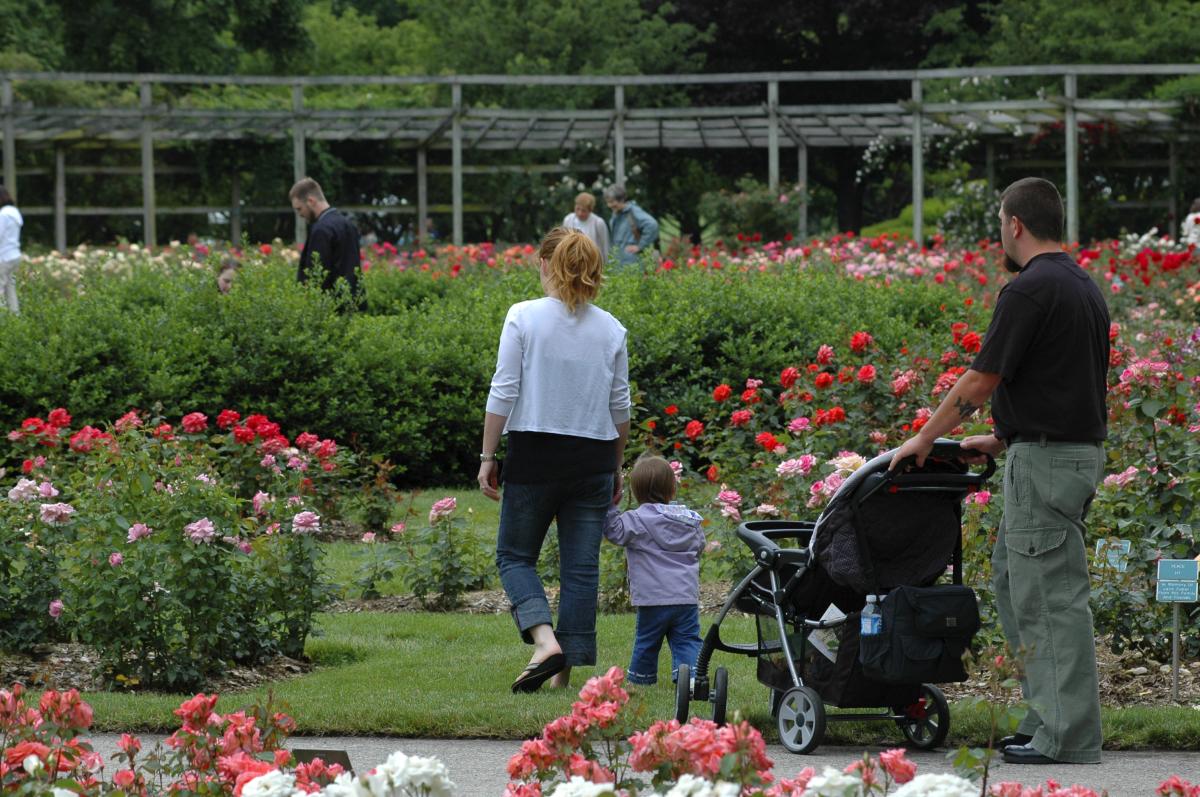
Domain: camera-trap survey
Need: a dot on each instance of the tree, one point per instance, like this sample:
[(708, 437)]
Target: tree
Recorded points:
[(177, 36), (767, 35)]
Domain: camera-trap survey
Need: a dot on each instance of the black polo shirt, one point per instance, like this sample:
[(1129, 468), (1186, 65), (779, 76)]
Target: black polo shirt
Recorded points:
[(334, 240), (1048, 340)]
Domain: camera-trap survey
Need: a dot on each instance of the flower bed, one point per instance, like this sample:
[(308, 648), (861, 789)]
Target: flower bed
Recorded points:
[(595, 751), (170, 549)]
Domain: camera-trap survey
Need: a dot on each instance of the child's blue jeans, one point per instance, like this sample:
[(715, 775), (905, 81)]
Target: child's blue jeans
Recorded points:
[(680, 625)]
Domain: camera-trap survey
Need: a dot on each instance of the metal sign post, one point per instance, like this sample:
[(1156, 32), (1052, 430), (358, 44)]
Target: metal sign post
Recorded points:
[(1177, 583)]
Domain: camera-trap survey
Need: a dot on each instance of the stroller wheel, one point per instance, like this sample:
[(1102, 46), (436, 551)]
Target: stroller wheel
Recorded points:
[(720, 695), (683, 693), (801, 720), (927, 721)]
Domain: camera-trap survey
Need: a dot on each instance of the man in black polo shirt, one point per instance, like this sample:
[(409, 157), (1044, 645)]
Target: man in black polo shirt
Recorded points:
[(332, 246), (1045, 356)]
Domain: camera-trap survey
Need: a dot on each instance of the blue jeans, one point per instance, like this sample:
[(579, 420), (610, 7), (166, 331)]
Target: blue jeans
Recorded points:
[(526, 511), (680, 624)]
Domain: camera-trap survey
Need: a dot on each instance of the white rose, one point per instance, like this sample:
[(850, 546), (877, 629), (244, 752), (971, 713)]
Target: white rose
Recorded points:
[(581, 787), (31, 764), (692, 786), (271, 784), (931, 785), (835, 783)]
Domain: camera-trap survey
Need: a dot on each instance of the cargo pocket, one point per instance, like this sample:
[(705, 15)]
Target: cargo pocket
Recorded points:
[(1038, 575)]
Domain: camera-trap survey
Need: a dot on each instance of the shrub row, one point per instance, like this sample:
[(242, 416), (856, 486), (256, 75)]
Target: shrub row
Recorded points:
[(407, 379)]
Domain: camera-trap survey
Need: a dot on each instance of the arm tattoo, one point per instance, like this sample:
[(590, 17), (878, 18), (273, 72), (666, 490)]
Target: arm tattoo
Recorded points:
[(965, 408)]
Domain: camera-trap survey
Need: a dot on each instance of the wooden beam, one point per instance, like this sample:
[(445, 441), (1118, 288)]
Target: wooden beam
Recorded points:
[(149, 222), (773, 135), (918, 166), (456, 142), (299, 150), (60, 199), (10, 137), (480, 135)]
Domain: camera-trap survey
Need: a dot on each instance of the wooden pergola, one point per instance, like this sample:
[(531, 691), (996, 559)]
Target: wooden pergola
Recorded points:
[(463, 128)]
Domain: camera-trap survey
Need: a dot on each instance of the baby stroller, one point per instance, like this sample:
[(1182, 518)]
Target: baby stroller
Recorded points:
[(884, 533)]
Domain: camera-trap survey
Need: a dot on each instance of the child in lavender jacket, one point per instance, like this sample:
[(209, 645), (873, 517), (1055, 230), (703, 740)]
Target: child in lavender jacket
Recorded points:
[(662, 543)]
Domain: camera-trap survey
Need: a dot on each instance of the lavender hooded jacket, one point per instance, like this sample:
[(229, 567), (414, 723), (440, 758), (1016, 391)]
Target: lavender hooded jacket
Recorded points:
[(662, 546)]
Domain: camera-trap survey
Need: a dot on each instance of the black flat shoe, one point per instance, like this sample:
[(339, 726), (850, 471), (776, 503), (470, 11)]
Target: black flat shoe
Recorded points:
[(1024, 754), (537, 673), (1016, 740)]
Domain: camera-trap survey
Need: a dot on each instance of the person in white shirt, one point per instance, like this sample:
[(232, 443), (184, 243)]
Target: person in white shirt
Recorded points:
[(10, 248), (587, 222), (561, 393), (1190, 233)]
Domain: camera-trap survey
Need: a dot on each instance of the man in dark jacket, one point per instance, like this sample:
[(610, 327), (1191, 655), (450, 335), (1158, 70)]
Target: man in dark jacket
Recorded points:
[(332, 246)]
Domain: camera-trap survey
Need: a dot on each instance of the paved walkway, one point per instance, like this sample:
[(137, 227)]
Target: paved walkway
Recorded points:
[(477, 767)]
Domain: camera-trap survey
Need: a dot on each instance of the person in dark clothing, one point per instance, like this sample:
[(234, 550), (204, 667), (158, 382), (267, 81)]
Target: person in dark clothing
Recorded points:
[(1046, 356), (332, 246)]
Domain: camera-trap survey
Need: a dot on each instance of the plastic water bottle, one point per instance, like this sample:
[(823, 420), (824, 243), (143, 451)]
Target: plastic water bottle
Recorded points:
[(872, 621)]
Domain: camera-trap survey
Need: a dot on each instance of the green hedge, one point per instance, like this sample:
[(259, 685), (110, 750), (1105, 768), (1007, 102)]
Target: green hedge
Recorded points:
[(409, 378)]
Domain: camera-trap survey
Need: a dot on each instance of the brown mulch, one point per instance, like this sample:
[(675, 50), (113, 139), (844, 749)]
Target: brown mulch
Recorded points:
[(1126, 679), (74, 666)]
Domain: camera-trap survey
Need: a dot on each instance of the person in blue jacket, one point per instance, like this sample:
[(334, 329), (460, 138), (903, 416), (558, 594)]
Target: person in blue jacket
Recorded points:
[(633, 229), (663, 542)]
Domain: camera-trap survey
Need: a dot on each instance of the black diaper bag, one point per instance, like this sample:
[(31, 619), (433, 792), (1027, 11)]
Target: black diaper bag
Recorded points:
[(925, 632)]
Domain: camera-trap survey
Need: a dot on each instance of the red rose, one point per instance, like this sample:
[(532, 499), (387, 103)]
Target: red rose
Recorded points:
[(846, 375), (957, 329), (767, 441), (164, 431), (256, 420), (711, 474), (693, 430), (228, 418), (788, 377), (741, 417), (265, 430), (824, 380), (307, 441), (750, 396), (651, 425), (971, 342), (243, 434), (265, 249), (124, 778), (672, 410), (326, 449), (27, 466), (859, 341), (866, 374), (59, 417), (722, 392), (836, 414), (194, 422)]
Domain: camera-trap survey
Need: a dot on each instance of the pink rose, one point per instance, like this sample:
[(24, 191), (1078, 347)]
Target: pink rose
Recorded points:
[(57, 514), (115, 558), (46, 490), (368, 537), (260, 501), (137, 531), (194, 422), (306, 523), (443, 508), (398, 528), (56, 608), (201, 531)]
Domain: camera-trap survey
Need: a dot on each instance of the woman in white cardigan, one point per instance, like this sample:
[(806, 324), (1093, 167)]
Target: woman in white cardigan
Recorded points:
[(10, 248), (561, 393)]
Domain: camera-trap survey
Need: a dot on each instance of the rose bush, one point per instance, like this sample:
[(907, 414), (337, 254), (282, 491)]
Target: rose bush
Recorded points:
[(173, 551), (595, 750)]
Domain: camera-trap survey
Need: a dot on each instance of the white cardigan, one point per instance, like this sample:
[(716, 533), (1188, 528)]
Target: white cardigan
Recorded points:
[(561, 373)]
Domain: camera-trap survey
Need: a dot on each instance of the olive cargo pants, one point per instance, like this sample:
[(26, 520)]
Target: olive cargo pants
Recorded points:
[(1040, 574)]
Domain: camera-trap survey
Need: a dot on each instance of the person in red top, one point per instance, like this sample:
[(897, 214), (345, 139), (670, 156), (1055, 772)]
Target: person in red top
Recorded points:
[(1044, 365)]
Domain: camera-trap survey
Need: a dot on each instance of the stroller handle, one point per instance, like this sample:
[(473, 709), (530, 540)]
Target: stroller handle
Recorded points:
[(879, 473), (761, 536)]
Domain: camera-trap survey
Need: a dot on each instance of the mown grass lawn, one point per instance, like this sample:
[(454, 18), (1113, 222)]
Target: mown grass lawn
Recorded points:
[(448, 676)]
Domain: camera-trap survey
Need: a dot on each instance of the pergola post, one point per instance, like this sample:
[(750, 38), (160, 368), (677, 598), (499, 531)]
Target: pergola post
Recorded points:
[(773, 135), (456, 139), (1173, 184), (10, 138), (918, 167), (422, 195), (802, 188), (60, 198), (299, 166), (990, 164), (1072, 133), (235, 207), (149, 211), (619, 133)]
